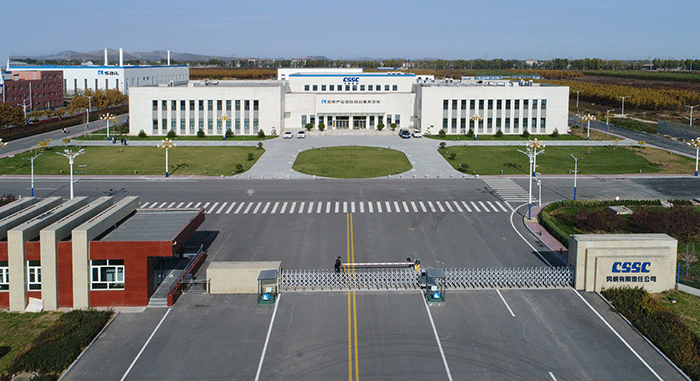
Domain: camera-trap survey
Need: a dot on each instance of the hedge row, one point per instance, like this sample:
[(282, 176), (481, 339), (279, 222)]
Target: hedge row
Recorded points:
[(59, 345), (661, 326)]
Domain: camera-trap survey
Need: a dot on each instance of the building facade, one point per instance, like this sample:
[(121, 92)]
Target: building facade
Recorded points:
[(350, 100), (33, 89)]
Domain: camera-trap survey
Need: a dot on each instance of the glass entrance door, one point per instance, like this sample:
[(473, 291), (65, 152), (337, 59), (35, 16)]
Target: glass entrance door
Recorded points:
[(342, 122), (359, 122)]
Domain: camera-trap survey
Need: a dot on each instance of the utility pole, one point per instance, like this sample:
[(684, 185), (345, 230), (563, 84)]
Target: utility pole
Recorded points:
[(691, 113)]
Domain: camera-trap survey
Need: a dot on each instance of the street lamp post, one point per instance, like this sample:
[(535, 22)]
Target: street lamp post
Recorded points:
[(477, 119), (537, 145), (695, 143), (166, 144), (623, 104), (577, 92), (691, 113), (71, 158), (223, 119), (575, 172), (607, 120), (87, 125), (531, 150), (539, 186), (588, 118), (109, 118)]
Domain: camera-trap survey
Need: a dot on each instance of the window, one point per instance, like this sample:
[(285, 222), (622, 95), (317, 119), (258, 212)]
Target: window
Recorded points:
[(182, 105), (165, 105), (370, 87), (362, 87), (340, 88), (516, 104), (481, 104), (454, 124), (463, 124), (173, 105), (303, 120), (525, 104), (499, 104), (210, 105), (323, 87), (444, 123), (454, 104), (4, 276), (33, 275), (219, 105), (315, 87), (347, 87), (228, 105), (544, 104), (306, 87), (397, 119), (354, 87), (238, 105), (331, 87), (107, 274), (445, 104), (201, 105), (155, 105), (246, 105), (542, 125), (394, 88), (386, 87), (524, 124), (507, 104), (255, 105), (191, 105), (464, 104), (490, 104), (472, 104), (388, 119), (534, 104)]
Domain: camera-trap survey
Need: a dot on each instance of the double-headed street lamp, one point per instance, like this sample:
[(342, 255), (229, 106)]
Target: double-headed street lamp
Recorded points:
[(695, 143), (42, 145), (223, 119), (607, 120), (476, 118), (531, 150), (71, 155), (166, 144), (109, 118), (588, 118)]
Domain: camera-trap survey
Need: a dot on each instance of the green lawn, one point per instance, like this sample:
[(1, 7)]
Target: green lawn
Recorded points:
[(687, 307), (352, 162), (17, 330), (129, 160), (555, 160)]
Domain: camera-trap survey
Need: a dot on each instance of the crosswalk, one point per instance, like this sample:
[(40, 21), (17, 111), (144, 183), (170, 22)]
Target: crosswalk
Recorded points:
[(507, 189), (328, 207)]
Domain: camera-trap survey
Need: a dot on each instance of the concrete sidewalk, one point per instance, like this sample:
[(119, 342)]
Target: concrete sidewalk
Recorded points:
[(539, 232)]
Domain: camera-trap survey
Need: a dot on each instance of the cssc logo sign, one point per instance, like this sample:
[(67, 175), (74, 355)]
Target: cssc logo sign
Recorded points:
[(351, 79), (631, 267)]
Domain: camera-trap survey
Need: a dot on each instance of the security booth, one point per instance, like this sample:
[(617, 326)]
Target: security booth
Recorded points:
[(267, 286), (433, 281)]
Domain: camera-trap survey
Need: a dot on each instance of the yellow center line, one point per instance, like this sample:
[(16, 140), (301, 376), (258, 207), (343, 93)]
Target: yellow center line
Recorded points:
[(352, 309)]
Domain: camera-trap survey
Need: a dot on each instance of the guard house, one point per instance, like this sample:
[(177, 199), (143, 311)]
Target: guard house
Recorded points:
[(81, 253)]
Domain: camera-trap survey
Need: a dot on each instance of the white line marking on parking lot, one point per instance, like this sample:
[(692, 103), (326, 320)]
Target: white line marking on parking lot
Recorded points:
[(552, 375), (311, 206), (180, 204), (437, 338), (267, 205), (362, 207), (430, 204), (230, 207), (145, 345), (371, 208), (144, 205), (267, 338), (162, 205), (301, 207), (198, 204), (205, 205), (447, 204), (486, 208), (618, 335), (506, 303), (405, 206), (396, 205), (388, 206), (474, 206), (171, 205), (415, 208), (379, 207), (422, 206), (328, 207)]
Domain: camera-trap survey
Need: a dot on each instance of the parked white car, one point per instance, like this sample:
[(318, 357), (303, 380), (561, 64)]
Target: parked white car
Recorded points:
[(301, 134), (287, 135)]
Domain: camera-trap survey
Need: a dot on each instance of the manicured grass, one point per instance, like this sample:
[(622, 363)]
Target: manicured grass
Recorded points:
[(352, 162), (506, 137), (129, 160), (17, 330), (687, 307), (556, 160)]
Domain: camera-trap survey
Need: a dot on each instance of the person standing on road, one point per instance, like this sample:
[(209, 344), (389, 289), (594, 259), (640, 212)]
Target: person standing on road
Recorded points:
[(338, 265)]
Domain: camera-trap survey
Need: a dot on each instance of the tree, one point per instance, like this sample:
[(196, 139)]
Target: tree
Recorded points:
[(10, 116), (309, 126), (380, 126), (321, 126)]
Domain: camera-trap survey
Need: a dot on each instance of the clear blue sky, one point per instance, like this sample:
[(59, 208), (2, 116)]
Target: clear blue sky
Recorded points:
[(518, 29)]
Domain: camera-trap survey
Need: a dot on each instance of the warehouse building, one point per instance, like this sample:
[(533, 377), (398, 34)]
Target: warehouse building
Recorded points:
[(343, 99)]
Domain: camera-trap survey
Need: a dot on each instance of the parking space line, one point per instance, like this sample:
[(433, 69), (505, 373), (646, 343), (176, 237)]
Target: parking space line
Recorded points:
[(240, 206), (230, 207), (198, 204), (257, 207), (180, 205), (267, 338), (291, 208), (362, 207), (222, 207), (250, 204), (415, 208), (328, 207), (162, 205), (432, 208), (210, 211), (464, 203), (437, 338), (457, 206), (422, 206), (145, 345), (284, 207), (506, 303), (352, 207), (188, 204), (337, 206), (145, 205), (311, 207), (274, 208), (206, 205), (345, 207), (153, 205), (474, 206), (447, 204), (552, 375)]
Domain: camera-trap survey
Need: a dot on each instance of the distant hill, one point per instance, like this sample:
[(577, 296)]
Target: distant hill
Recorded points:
[(97, 56)]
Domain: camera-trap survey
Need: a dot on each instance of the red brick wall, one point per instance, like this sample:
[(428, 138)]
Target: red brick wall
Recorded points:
[(44, 92), (64, 273), (4, 295)]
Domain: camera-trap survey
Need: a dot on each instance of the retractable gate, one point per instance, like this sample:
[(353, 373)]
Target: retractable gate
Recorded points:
[(402, 279)]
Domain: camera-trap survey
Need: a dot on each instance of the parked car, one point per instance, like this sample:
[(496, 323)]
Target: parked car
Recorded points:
[(404, 134), (417, 134), (301, 134), (287, 135)]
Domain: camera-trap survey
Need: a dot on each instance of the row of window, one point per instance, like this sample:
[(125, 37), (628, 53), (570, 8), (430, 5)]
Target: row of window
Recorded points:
[(105, 275), (371, 119), (11, 87), (489, 103), (209, 104), (451, 125), (348, 87), (230, 124), (75, 84)]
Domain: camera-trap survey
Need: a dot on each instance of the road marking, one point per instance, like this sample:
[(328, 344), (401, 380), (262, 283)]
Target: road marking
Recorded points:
[(301, 207), (180, 205), (284, 206), (221, 208), (212, 208), (362, 207), (145, 345), (240, 206), (437, 339), (369, 204), (492, 206), (440, 206), (422, 206), (267, 338), (291, 208), (250, 204), (145, 204), (618, 335), (552, 375), (267, 205), (415, 208), (501, 206), (474, 206), (379, 207), (230, 207), (337, 206), (405, 206), (171, 205), (257, 207), (506, 303), (328, 207), (274, 208), (388, 206), (457, 206), (464, 203), (447, 204), (198, 204), (153, 205), (320, 205), (486, 209), (311, 206), (345, 207), (162, 205), (396, 205), (432, 208), (352, 306), (205, 205), (352, 207)]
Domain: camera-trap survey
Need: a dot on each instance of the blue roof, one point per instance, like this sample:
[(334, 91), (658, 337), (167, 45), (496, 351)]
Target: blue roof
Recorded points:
[(354, 75), (89, 67)]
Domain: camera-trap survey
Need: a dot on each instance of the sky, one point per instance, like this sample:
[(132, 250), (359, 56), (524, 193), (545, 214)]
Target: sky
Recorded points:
[(476, 29)]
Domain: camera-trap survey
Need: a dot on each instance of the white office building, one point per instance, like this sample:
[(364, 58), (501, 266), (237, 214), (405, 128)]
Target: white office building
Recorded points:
[(350, 100)]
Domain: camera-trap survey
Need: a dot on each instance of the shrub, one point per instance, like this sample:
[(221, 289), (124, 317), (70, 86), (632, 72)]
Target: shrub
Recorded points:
[(229, 133), (453, 156), (321, 126), (200, 133), (393, 126), (171, 134), (380, 126), (240, 167), (443, 144), (555, 134), (498, 134), (261, 134), (463, 167), (142, 134), (251, 156), (525, 134), (309, 126), (470, 133), (260, 144), (442, 134)]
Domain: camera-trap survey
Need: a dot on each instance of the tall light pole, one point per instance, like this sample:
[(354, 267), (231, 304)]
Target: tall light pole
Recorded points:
[(531, 150), (623, 104), (588, 118), (42, 145), (575, 172), (166, 144), (223, 119), (695, 143), (476, 118), (691, 113), (71, 158), (108, 118), (607, 120), (537, 145), (87, 125), (577, 92), (539, 186), (24, 107)]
